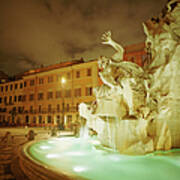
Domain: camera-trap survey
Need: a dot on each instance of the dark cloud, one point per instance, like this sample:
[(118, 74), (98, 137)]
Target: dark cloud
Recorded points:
[(13, 63), (73, 49), (50, 31)]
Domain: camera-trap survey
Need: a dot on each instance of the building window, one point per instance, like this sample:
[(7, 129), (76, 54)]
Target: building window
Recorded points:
[(10, 99), (58, 94), (77, 74), (49, 95), (40, 96), (32, 82), (20, 109), (58, 78), (77, 107), (34, 120), (50, 79), (31, 97), (41, 81), (68, 75), (11, 87), (67, 93), (69, 120), (4, 119), (3, 109), (19, 98), (21, 85), (14, 109), (5, 100), (27, 119), (77, 92), (23, 98), (49, 119), (2, 88), (15, 98), (6, 87), (16, 86), (58, 107), (89, 72), (68, 108), (40, 108), (49, 108), (25, 83), (40, 119), (88, 91), (31, 109)]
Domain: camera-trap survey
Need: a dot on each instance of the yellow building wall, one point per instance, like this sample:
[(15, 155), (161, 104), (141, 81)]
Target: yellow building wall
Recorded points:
[(72, 83)]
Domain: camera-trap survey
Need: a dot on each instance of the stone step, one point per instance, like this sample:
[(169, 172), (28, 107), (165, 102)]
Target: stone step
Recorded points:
[(16, 170)]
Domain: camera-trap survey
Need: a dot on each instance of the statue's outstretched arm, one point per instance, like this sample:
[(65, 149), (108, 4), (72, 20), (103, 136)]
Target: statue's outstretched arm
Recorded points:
[(106, 37)]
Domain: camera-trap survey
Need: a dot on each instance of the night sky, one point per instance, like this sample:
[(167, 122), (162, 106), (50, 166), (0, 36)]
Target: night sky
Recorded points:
[(35, 32)]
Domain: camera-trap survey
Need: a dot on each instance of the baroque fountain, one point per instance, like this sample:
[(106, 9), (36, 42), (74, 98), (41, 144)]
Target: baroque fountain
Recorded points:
[(136, 116)]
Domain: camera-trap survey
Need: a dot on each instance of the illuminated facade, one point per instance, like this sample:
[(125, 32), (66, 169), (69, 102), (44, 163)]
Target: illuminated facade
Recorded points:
[(49, 96)]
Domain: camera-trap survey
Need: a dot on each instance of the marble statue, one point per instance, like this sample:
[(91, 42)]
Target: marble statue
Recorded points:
[(106, 37), (137, 109)]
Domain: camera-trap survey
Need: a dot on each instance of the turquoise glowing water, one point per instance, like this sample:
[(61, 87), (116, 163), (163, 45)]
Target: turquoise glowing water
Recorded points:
[(87, 159)]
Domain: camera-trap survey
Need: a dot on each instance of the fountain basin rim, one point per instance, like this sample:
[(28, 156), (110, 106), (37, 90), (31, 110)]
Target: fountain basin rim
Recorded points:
[(52, 171)]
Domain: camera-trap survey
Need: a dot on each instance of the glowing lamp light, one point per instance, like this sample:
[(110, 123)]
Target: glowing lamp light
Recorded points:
[(63, 80)]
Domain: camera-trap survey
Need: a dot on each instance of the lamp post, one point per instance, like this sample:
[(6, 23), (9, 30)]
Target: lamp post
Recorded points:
[(63, 81)]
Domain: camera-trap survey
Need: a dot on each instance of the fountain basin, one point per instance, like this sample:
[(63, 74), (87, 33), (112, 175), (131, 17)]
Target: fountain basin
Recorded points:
[(75, 158)]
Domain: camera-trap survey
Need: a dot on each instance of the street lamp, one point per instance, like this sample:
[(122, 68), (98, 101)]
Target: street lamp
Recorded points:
[(63, 81)]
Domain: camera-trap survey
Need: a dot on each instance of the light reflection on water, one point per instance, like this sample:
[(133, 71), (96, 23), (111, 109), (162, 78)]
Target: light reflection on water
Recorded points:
[(92, 161)]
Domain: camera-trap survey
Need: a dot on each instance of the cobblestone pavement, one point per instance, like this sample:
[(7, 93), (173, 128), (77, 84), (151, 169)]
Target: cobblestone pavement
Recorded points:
[(9, 164)]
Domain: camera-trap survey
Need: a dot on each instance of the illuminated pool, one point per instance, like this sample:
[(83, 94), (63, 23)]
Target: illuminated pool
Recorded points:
[(87, 159)]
